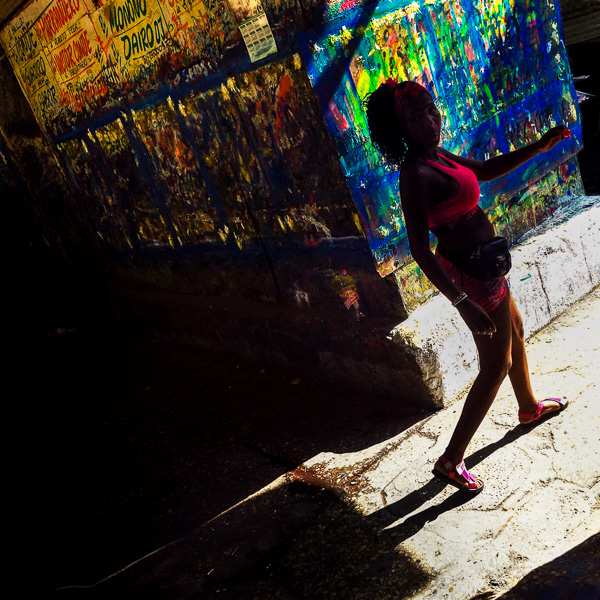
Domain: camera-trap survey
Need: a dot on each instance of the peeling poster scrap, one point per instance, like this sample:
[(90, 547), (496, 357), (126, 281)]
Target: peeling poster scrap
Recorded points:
[(254, 27)]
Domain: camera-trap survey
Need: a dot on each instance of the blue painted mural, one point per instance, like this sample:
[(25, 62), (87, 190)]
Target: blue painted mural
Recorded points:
[(499, 74)]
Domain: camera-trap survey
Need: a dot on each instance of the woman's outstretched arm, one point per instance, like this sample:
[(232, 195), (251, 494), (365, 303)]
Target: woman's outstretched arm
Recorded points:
[(505, 163)]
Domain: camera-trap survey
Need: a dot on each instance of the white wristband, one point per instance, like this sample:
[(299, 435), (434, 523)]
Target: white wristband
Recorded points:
[(459, 299)]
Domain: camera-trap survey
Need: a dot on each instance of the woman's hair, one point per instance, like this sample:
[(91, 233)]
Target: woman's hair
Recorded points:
[(384, 126)]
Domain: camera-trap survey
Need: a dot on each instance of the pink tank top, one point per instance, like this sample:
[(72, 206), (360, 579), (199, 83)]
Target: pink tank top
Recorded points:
[(462, 203)]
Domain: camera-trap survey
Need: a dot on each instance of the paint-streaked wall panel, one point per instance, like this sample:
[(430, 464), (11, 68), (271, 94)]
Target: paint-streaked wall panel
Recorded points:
[(179, 175), (134, 181), (498, 72), (104, 205)]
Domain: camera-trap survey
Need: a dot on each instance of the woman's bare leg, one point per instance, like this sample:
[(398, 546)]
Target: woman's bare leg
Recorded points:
[(519, 372), (494, 365)]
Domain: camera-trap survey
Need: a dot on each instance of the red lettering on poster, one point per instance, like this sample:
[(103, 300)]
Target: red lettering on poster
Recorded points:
[(72, 53), (55, 19)]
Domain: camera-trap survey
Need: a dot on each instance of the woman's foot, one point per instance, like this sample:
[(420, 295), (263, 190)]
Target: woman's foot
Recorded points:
[(545, 407), (457, 475)]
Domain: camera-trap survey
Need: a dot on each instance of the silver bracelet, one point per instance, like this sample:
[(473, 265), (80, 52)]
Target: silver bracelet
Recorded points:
[(459, 299)]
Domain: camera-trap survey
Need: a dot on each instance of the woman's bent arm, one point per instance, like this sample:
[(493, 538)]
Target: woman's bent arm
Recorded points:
[(415, 194)]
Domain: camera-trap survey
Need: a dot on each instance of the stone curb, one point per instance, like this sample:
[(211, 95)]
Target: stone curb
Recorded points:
[(551, 270)]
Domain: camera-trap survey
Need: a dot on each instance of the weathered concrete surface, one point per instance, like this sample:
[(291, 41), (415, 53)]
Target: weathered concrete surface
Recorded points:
[(374, 524), (553, 266), (542, 495)]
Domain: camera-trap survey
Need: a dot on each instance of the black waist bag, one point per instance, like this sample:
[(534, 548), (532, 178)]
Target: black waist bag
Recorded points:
[(488, 261)]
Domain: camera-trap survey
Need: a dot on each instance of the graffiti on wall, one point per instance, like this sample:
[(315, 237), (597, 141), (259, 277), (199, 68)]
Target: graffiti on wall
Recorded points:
[(247, 161), (160, 160), (70, 56), (76, 58), (498, 73)]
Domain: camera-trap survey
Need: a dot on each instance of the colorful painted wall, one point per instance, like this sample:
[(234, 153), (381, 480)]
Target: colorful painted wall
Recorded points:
[(215, 157), (499, 74)]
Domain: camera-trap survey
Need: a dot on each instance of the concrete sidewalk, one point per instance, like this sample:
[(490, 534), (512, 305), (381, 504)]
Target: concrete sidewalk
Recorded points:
[(542, 495), (374, 524)]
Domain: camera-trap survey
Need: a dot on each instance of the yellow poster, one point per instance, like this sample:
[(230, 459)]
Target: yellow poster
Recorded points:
[(73, 57), (68, 55), (52, 48), (133, 35)]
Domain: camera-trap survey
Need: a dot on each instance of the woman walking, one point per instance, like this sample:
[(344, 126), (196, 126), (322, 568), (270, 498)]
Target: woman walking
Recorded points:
[(439, 192)]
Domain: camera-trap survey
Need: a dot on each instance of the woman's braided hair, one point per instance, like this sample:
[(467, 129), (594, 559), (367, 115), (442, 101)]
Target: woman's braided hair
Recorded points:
[(384, 126)]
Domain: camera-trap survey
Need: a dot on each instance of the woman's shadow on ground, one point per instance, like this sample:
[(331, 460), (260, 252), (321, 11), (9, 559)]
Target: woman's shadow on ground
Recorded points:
[(414, 500)]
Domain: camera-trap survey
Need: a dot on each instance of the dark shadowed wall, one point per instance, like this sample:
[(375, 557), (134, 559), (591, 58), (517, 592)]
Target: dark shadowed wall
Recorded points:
[(198, 189)]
